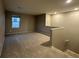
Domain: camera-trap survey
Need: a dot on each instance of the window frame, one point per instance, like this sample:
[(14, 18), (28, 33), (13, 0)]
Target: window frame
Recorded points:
[(19, 24)]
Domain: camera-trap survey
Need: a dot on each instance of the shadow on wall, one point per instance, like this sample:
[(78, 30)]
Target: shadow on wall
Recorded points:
[(40, 25)]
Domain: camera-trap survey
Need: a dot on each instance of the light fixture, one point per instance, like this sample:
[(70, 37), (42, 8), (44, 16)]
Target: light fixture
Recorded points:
[(55, 12), (76, 8), (68, 1)]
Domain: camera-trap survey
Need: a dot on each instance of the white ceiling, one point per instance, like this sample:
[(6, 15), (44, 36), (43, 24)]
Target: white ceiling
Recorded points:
[(39, 6)]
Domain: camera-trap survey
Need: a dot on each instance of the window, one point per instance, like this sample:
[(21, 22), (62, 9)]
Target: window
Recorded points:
[(15, 22)]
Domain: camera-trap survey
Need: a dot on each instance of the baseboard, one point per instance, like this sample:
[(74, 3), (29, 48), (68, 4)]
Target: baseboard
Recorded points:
[(17, 33)]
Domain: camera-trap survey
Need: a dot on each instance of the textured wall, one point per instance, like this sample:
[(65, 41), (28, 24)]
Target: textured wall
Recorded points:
[(27, 23), (40, 25), (2, 26), (58, 39), (70, 22)]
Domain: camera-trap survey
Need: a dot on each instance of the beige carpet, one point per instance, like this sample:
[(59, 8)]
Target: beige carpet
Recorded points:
[(32, 45)]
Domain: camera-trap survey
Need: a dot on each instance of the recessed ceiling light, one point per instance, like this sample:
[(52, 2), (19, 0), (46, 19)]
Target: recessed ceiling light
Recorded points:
[(55, 12), (68, 1), (76, 8)]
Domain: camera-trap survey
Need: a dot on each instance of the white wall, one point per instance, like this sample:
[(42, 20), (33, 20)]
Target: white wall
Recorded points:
[(70, 22), (48, 20)]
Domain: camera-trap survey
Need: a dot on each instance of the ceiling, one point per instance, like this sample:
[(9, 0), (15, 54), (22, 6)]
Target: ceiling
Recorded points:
[(39, 6)]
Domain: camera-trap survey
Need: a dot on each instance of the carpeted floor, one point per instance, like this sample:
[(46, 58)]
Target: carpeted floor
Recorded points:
[(32, 45)]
